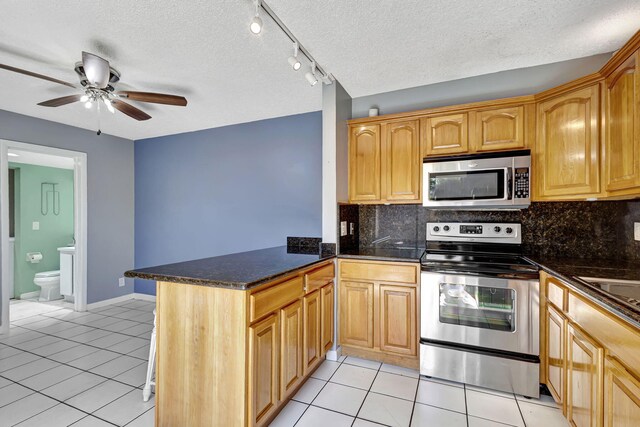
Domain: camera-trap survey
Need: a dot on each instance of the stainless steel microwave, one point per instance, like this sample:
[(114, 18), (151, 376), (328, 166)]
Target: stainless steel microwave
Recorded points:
[(500, 180)]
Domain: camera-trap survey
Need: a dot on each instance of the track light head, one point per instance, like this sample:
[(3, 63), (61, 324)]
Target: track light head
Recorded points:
[(256, 22), (311, 75), (295, 64)]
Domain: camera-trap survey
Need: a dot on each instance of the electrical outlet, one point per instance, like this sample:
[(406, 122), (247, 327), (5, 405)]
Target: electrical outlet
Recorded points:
[(343, 228), (121, 282), (351, 228), (35, 225), (636, 231)]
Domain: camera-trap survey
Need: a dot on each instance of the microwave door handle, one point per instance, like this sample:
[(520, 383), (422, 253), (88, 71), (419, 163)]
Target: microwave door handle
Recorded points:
[(509, 183)]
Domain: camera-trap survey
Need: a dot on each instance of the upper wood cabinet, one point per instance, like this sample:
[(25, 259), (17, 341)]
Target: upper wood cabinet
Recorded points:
[(621, 396), (401, 161), (622, 125), (364, 164), (499, 129), (568, 145), (445, 134)]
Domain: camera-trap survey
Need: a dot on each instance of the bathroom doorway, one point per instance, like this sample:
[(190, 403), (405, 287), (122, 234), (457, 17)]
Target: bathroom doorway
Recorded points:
[(43, 231)]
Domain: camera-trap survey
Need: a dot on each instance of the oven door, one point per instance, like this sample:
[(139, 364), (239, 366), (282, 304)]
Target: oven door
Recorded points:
[(482, 312), (444, 187)]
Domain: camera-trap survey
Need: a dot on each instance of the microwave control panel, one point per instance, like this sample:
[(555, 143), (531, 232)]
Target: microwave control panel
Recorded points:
[(522, 183)]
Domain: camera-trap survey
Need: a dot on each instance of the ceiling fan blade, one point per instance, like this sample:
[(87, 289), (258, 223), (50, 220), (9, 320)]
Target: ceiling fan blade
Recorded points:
[(36, 75), (61, 101), (130, 110), (96, 69), (157, 98)]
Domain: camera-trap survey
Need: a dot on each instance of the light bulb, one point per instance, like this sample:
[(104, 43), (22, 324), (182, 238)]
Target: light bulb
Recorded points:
[(87, 105), (256, 25), (84, 98), (295, 64), (311, 78), (110, 108)]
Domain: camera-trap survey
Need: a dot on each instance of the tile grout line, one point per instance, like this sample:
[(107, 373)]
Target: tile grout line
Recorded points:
[(367, 395), (415, 398)]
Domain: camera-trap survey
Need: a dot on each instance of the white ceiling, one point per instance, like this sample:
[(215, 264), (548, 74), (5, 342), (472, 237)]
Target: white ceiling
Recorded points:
[(202, 49), (33, 158)]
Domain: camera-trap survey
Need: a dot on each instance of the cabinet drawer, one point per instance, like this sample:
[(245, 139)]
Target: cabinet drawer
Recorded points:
[(556, 294), (277, 296), (380, 272), (319, 277)]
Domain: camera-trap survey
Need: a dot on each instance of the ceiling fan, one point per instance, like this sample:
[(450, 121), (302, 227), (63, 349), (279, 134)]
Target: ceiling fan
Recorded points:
[(98, 80)]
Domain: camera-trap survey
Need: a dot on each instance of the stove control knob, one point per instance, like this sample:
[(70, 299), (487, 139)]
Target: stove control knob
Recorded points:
[(445, 228), (497, 229), (436, 229), (509, 230)]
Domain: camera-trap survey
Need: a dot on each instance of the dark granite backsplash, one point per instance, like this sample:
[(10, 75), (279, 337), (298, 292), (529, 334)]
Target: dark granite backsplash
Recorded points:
[(602, 229)]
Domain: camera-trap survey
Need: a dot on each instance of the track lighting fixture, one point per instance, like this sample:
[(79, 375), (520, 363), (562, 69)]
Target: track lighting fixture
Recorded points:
[(256, 22), (311, 75), (293, 60)]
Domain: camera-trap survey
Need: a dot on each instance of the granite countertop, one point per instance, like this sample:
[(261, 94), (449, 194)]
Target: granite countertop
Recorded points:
[(241, 271), (404, 254), (567, 269)]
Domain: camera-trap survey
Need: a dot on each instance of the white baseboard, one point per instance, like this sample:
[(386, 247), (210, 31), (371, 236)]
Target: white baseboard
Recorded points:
[(143, 297), (30, 295), (334, 354)]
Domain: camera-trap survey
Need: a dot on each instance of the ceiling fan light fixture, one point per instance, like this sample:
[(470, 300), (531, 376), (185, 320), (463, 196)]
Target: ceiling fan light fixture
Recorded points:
[(109, 105), (84, 98), (88, 105)]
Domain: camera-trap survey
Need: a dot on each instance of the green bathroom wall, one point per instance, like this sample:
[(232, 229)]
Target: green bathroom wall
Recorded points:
[(55, 230)]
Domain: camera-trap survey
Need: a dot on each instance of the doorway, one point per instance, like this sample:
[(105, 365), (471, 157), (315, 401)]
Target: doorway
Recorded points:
[(12, 155)]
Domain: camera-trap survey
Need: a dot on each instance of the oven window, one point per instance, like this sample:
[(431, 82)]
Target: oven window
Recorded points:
[(471, 185), (478, 306)]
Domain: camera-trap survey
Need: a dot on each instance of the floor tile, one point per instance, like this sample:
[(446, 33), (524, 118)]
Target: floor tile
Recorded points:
[(122, 326), (38, 342), (50, 377), (29, 369), (289, 415), (134, 377), (98, 396), (309, 390), (5, 382), (74, 331), (129, 344), (53, 348), (326, 370), (340, 398), (73, 353), (75, 385), (543, 400), (13, 392), (354, 376), (139, 329), (6, 351), (399, 370), (92, 360), (481, 422), (108, 340), (102, 321), (29, 320), (427, 416), (116, 366), (542, 416), (441, 381), (143, 317), (57, 327), (25, 408), (125, 409), (36, 323), (86, 337), (18, 359), (364, 423), (371, 364), (442, 396), (141, 353), (109, 310), (493, 407), (91, 421), (60, 415), (395, 386), (386, 410), (19, 337), (146, 420), (490, 391), (318, 417)]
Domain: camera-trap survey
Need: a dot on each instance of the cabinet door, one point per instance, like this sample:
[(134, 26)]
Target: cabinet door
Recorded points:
[(622, 107), (291, 348), (401, 161), (312, 330), (327, 318), (499, 129), (356, 314), (584, 379), (446, 134), (263, 369), (568, 144), (398, 320), (621, 396), (364, 163), (556, 354)]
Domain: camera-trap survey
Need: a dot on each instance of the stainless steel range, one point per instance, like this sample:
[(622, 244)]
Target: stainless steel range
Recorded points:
[(480, 308)]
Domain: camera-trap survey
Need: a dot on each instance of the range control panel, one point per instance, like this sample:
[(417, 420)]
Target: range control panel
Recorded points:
[(493, 232)]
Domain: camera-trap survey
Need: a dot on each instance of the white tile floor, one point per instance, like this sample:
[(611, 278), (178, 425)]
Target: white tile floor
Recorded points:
[(60, 368)]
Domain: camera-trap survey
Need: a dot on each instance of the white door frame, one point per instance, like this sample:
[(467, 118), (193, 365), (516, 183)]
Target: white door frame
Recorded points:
[(80, 222)]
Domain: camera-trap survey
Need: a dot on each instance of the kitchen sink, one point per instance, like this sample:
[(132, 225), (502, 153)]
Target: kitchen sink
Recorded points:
[(627, 291)]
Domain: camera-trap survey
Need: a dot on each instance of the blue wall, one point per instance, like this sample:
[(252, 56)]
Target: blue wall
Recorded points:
[(226, 190)]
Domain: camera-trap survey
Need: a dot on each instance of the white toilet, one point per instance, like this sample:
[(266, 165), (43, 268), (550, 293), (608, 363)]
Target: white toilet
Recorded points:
[(49, 282)]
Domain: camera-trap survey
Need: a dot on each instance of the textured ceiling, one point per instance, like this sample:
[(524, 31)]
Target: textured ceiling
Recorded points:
[(202, 49)]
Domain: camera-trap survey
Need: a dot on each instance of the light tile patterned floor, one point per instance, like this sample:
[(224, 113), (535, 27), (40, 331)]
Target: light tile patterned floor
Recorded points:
[(60, 368)]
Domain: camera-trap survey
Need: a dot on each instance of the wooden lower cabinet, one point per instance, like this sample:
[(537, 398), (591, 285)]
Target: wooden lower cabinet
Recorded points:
[(327, 318), (356, 314), (584, 379), (312, 330), (621, 396), (291, 345), (263, 369), (398, 319), (556, 354)]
